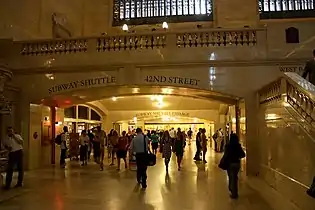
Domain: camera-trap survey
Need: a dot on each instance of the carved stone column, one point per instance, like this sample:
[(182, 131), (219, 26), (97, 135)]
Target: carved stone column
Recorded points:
[(5, 104), (5, 76)]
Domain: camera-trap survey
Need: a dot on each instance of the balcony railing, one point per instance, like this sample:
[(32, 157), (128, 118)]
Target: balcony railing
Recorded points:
[(134, 48), (123, 42)]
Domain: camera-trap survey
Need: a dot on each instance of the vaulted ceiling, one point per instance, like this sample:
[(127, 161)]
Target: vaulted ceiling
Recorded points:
[(130, 103)]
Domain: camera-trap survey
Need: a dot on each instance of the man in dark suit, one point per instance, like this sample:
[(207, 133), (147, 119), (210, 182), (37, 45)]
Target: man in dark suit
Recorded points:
[(310, 69)]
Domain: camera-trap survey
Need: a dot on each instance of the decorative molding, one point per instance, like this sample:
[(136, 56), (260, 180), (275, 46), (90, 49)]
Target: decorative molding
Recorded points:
[(161, 65)]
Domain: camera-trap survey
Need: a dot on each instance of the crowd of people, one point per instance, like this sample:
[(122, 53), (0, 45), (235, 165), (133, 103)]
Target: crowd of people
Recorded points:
[(136, 143)]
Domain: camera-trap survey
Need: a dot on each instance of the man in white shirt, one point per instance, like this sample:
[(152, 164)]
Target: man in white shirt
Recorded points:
[(14, 144), (220, 139), (99, 142), (173, 138), (139, 146)]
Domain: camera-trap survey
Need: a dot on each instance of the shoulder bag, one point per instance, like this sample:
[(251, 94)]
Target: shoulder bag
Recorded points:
[(151, 158), (224, 164)]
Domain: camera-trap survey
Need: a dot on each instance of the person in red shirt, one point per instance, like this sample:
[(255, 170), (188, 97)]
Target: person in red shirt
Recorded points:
[(122, 148)]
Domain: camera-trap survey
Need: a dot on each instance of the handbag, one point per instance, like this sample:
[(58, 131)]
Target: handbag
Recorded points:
[(224, 162), (151, 158)]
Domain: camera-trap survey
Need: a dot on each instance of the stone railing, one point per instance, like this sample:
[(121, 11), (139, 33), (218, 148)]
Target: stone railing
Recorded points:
[(130, 41), (293, 90), (34, 48), (216, 38)]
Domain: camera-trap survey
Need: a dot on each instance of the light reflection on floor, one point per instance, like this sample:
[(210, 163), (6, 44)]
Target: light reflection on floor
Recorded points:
[(197, 186)]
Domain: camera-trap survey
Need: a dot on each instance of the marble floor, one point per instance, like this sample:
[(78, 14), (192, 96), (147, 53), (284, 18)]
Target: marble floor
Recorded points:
[(197, 186)]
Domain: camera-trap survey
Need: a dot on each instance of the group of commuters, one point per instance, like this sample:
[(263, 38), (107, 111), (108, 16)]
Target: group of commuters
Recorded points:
[(97, 141), (138, 143), (170, 141)]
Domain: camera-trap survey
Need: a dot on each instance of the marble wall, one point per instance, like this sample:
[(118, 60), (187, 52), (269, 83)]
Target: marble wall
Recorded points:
[(276, 44), (39, 151), (286, 156)]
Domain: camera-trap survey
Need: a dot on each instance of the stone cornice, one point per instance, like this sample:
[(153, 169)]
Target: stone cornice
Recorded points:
[(161, 65)]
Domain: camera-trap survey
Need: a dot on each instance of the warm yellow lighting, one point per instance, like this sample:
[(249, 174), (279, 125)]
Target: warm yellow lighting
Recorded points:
[(125, 27), (160, 104), (135, 90), (153, 98), (234, 120), (167, 90), (195, 120), (158, 98), (135, 119), (50, 76), (114, 98), (272, 117), (286, 104), (165, 25)]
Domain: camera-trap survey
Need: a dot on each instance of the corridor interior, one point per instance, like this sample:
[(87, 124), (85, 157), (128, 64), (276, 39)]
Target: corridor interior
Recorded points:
[(197, 186), (283, 117)]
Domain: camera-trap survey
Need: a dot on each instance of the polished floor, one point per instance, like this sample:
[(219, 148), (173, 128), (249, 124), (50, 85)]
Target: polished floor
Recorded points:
[(196, 187)]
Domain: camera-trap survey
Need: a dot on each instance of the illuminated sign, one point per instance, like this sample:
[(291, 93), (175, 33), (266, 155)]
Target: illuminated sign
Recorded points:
[(160, 114), (84, 83)]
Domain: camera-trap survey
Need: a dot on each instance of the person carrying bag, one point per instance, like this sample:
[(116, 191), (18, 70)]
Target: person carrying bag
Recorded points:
[(151, 158), (144, 158), (231, 162)]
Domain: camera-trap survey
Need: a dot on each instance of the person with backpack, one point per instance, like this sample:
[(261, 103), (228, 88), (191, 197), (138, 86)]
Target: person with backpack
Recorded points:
[(62, 140)]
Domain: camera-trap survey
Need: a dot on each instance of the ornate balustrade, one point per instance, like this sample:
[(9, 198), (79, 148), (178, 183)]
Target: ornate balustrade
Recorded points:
[(217, 38), (295, 91), (133, 42), (54, 47)]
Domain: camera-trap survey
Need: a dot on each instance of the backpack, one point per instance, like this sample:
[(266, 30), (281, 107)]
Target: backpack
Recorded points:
[(58, 139)]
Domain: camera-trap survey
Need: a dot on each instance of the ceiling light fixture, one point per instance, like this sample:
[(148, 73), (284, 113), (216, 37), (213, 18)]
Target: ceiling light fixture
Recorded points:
[(114, 98)]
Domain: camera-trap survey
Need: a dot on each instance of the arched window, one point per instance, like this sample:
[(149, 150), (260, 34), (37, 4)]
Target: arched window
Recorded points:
[(270, 9), (95, 116), (138, 12), (70, 112), (292, 35)]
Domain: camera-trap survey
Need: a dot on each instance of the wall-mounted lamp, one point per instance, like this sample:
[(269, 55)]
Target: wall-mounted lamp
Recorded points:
[(125, 27), (164, 25)]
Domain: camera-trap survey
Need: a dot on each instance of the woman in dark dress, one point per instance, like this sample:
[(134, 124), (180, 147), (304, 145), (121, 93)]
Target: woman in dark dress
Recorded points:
[(179, 147), (167, 148), (233, 154)]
